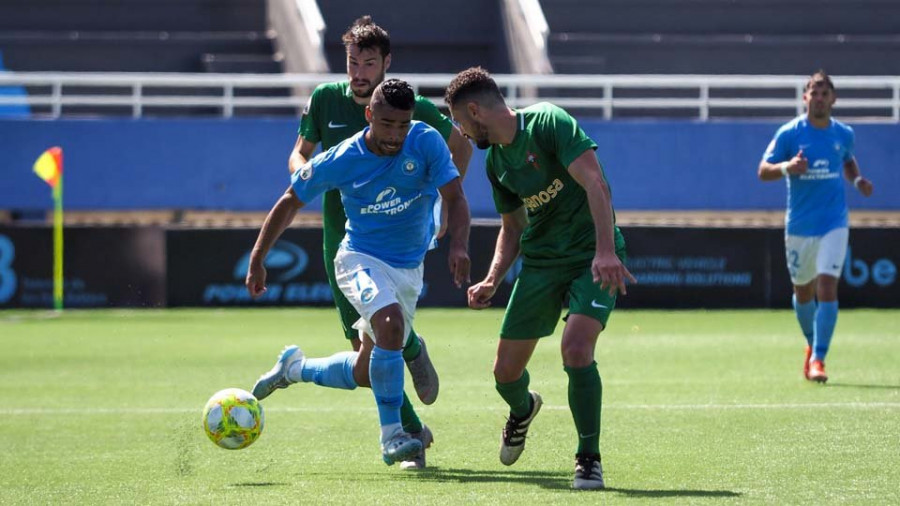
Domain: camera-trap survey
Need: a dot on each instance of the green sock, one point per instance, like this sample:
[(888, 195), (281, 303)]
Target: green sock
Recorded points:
[(413, 346), (516, 395), (408, 416), (585, 398)]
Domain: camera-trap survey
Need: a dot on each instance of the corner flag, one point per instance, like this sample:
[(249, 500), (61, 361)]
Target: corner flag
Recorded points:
[(49, 167)]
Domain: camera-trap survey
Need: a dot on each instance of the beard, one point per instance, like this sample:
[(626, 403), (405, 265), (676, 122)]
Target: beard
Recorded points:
[(481, 136), (367, 92)]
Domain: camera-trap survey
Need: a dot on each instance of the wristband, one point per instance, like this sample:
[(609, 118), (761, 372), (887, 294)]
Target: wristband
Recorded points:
[(856, 182), (783, 167)]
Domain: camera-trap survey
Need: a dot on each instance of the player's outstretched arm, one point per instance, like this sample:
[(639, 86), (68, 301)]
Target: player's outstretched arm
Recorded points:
[(458, 225), (278, 219), (505, 253), (606, 267), (302, 152), (852, 173)]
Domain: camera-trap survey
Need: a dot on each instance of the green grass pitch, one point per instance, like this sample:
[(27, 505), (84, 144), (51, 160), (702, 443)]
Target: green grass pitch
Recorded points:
[(103, 407)]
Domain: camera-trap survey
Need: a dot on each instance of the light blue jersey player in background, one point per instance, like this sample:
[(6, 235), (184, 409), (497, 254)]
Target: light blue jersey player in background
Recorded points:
[(811, 153), (389, 176)]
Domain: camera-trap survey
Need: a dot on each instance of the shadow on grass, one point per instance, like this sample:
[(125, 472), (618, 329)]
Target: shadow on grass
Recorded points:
[(548, 480), (674, 493), (258, 484), (856, 385), (544, 479)]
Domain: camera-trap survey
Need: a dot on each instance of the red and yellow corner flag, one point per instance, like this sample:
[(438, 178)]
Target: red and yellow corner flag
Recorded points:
[(49, 166)]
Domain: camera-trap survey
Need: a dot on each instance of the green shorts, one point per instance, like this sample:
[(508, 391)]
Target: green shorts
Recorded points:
[(333, 233), (539, 295)]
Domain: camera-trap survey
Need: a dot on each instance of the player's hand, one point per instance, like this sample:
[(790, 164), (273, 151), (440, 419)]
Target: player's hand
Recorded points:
[(480, 294), (865, 187), (256, 280), (611, 273), (459, 266), (798, 164)]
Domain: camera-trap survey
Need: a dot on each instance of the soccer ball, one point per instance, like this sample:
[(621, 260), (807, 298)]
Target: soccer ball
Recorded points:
[(233, 418)]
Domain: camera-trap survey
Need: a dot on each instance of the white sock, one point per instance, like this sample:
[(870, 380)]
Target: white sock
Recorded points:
[(295, 372)]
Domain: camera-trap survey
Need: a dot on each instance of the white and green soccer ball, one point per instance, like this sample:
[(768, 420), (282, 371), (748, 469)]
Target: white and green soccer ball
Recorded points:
[(233, 418)]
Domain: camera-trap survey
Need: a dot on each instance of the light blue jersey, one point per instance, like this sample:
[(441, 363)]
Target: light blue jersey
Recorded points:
[(389, 200), (816, 202)]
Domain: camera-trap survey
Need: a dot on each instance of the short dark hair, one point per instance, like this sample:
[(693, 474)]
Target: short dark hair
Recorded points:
[(365, 34), (476, 84), (395, 93), (819, 76)]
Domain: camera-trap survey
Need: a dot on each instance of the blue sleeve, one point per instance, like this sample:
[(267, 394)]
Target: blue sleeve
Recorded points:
[(779, 150), (440, 168), (313, 178), (850, 143)]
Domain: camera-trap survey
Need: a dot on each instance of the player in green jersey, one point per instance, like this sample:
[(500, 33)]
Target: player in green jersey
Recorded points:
[(335, 112), (556, 212)]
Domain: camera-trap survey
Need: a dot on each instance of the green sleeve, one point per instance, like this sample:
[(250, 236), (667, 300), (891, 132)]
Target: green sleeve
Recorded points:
[(309, 121), (427, 112), (568, 139), (505, 201)]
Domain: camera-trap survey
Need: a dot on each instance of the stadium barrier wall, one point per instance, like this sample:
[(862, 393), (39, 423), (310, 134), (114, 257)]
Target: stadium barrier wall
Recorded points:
[(103, 267), (241, 164), (675, 267)]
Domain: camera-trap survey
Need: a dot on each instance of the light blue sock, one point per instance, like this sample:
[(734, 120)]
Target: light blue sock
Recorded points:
[(806, 315), (335, 371), (826, 319), (386, 369)]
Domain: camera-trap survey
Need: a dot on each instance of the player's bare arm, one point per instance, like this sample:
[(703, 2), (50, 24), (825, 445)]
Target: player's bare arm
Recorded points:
[(852, 174), (460, 151), (278, 219), (505, 253), (458, 225), (302, 152), (773, 171), (606, 267)]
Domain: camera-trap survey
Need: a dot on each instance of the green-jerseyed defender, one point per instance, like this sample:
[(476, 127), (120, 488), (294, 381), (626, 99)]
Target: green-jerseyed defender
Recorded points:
[(556, 212), (335, 112)]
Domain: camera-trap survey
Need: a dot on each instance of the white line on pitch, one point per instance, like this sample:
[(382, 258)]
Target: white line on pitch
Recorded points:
[(357, 409)]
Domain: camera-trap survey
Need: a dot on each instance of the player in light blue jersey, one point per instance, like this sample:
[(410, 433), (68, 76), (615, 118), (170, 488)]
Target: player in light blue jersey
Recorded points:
[(389, 176), (811, 153)]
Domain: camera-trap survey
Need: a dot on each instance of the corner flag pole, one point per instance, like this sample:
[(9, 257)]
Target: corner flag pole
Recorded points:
[(58, 242), (49, 167)]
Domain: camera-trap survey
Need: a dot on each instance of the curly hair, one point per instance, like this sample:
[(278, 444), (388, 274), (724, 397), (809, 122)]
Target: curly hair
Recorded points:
[(365, 34), (476, 84), (395, 93)]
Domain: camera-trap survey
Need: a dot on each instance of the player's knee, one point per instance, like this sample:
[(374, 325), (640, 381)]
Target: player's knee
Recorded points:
[(577, 353), (506, 371)]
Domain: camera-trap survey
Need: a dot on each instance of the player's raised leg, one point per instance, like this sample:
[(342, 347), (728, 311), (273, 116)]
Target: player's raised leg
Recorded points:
[(512, 382)]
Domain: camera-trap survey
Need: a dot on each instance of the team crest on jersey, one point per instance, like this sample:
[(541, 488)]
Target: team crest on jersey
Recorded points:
[(306, 171), (532, 160), (409, 166)]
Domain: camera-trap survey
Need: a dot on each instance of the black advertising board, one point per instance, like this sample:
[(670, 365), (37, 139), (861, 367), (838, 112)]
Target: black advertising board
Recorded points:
[(207, 267), (869, 276), (102, 267), (697, 267)]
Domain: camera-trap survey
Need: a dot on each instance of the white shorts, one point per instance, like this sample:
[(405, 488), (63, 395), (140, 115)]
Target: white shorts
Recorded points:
[(370, 284), (807, 257)]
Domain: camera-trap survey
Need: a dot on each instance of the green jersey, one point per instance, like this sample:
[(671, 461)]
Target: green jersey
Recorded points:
[(533, 171), (332, 116)]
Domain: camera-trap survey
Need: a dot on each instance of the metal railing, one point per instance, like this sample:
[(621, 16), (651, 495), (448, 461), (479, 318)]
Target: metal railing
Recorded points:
[(702, 97)]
